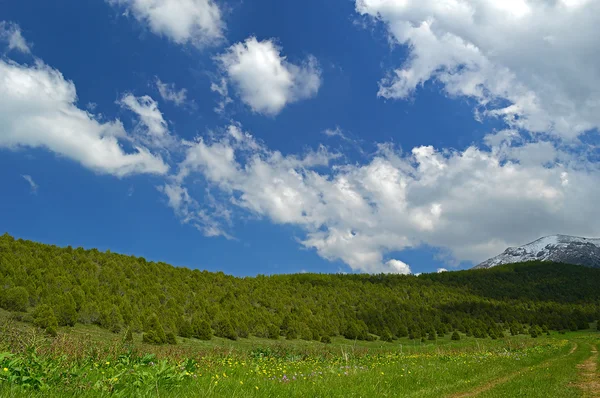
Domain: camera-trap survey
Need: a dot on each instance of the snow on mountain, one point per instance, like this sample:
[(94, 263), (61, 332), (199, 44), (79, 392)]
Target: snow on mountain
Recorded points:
[(555, 248)]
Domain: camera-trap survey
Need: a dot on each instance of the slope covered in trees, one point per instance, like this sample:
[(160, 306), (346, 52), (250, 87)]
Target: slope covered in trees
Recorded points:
[(52, 286)]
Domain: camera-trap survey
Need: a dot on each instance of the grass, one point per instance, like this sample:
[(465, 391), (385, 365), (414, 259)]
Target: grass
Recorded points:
[(88, 361)]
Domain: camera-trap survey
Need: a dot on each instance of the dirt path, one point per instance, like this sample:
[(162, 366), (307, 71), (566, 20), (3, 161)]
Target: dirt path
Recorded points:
[(589, 377), (493, 383)]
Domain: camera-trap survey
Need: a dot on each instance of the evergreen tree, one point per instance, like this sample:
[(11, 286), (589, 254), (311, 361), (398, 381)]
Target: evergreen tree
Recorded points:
[(223, 328), (185, 329), (15, 299), (154, 332), (170, 338), (44, 318), (386, 335)]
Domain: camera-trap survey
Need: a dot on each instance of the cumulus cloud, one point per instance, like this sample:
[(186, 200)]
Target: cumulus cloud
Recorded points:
[(398, 267), (473, 203), (32, 184), (152, 129), (168, 92), (440, 270), (264, 79), (532, 63), (197, 22), (11, 34), (38, 109)]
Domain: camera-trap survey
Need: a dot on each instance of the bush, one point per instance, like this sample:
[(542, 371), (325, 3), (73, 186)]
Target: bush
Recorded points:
[(223, 328), (273, 331), (455, 336), (326, 339), (154, 334), (44, 317), (386, 335), (171, 339), (16, 299), (202, 330)]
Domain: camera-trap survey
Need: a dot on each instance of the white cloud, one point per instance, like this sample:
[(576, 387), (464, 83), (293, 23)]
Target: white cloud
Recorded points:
[(473, 203), (210, 222), (223, 91), (197, 22), (152, 129), (168, 92), (11, 33), (265, 80), (32, 184), (399, 267), (38, 109), (440, 270), (533, 63), (336, 132)]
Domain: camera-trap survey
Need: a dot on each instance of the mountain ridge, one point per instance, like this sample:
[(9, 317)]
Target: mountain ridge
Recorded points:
[(553, 248)]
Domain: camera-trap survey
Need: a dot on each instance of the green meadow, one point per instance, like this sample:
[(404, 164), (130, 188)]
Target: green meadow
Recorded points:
[(89, 361)]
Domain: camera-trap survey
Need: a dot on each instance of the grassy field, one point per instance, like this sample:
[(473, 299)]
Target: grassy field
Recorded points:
[(88, 361)]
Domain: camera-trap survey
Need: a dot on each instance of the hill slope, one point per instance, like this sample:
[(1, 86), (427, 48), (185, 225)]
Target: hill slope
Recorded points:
[(44, 283), (556, 248)]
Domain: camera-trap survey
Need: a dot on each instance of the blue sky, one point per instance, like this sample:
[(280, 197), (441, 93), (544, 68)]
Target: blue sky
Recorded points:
[(270, 137)]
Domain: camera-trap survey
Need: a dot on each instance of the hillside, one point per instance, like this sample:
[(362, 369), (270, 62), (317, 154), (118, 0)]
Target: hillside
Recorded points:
[(53, 286)]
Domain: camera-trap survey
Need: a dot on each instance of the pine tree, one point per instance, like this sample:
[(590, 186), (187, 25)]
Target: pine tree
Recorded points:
[(15, 299), (223, 328), (44, 318), (386, 335), (154, 333), (202, 330), (170, 338)]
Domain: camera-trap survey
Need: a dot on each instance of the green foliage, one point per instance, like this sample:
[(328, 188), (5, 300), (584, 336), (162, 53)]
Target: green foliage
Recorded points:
[(15, 299), (223, 328), (170, 338), (201, 329), (386, 335), (273, 331), (115, 291), (65, 310), (455, 336), (154, 332), (44, 318), (535, 331)]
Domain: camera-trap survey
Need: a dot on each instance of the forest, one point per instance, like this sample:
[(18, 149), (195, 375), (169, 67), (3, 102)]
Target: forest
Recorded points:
[(53, 287)]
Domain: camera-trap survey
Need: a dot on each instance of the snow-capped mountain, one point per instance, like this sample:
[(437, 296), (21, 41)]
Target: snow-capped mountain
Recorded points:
[(556, 248)]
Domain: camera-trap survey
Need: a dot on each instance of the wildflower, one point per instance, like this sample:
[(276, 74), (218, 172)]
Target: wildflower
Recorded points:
[(108, 363), (256, 387), (6, 369), (241, 382)]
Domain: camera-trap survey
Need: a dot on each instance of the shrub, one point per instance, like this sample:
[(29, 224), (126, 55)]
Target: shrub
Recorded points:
[(171, 339), (15, 299), (455, 336)]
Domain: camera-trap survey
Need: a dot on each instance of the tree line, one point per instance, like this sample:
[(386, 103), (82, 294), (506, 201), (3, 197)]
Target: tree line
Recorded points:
[(52, 286)]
